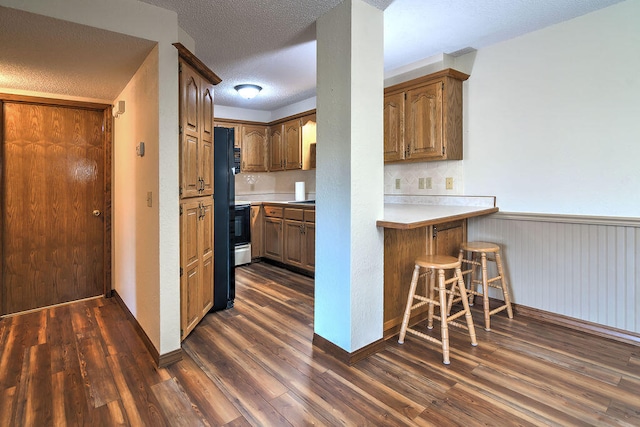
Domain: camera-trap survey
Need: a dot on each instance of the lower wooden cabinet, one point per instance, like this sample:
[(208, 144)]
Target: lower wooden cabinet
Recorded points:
[(196, 262), (290, 236), (401, 247), (257, 227), (447, 237), (273, 233)]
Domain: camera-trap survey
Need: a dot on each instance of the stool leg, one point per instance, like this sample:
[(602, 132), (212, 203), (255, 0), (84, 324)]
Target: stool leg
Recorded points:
[(465, 304), (444, 326), (461, 255), (407, 310), (485, 292), (503, 282), (473, 276), (432, 286)]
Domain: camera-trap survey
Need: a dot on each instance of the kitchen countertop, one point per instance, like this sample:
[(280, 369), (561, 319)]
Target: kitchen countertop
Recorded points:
[(408, 216), (282, 203)]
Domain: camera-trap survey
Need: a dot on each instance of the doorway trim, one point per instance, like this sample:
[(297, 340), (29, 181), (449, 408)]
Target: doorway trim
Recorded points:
[(107, 145)]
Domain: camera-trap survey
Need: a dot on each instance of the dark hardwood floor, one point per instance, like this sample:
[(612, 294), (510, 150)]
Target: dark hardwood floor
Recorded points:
[(83, 364)]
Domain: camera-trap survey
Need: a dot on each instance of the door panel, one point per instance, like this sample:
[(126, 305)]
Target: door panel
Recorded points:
[(424, 121), (53, 180), (394, 127)]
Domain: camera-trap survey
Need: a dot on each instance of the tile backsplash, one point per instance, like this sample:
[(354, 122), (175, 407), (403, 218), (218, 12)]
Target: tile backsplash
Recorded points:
[(408, 176), (282, 182)]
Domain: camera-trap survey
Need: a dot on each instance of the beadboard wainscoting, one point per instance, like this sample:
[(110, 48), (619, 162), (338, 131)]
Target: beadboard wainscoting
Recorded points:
[(587, 268)]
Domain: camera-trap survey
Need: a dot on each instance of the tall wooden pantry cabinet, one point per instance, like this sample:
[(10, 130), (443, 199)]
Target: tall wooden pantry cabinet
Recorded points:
[(196, 189)]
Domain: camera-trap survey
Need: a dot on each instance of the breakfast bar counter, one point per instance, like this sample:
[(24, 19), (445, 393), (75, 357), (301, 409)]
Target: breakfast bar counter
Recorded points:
[(415, 226)]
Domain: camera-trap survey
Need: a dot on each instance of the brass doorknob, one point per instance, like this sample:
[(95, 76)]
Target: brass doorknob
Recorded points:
[(96, 212)]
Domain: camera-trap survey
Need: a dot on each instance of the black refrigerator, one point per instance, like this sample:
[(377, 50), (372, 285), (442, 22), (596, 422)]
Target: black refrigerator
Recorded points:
[(226, 163)]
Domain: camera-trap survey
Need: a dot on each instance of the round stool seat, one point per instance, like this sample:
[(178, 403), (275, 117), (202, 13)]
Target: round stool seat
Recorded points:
[(479, 247), (439, 262)]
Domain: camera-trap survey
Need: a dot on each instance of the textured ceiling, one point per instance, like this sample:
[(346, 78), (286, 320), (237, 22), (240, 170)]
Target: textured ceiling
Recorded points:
[(267, 42), (44, 54)]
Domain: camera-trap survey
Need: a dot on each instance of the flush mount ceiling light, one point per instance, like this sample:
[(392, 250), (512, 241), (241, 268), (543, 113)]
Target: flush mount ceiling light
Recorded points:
[(248, 90)]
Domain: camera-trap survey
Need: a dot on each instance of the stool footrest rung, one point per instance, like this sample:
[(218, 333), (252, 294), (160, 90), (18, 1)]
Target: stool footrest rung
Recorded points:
[(425, 336), (498, 309)]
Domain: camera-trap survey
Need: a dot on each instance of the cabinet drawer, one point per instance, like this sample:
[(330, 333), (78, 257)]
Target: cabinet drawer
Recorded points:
[(273, 211), (310, 215), (297, 214)]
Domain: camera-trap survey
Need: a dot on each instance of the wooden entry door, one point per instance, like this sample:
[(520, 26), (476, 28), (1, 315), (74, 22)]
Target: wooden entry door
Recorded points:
[(53, 204)]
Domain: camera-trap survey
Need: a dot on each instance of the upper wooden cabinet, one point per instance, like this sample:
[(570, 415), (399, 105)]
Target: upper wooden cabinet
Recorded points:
[(276, 152), (236, 131), (423, 118), (292, 138), (285, 144), (196, 133), (196, 187), (394, 127), (254, 148)]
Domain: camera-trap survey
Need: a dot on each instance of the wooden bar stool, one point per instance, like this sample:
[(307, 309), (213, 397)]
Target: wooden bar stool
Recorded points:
[(480, 250), (438, 264)]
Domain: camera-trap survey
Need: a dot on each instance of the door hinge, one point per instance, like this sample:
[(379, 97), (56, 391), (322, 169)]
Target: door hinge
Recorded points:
[(180, 129), (180, 208), (443, 149), (405, 96), (179, 67), (435, 232), (181, 271), (180, 190)]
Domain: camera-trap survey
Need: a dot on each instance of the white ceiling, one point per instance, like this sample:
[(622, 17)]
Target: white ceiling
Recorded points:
[(267, 42)]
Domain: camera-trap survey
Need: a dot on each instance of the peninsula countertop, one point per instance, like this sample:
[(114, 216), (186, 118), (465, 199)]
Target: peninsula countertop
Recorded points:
[(415, 212)]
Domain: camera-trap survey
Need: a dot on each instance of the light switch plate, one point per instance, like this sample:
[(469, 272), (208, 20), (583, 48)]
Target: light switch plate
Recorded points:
[(397, 183), (449, 183)]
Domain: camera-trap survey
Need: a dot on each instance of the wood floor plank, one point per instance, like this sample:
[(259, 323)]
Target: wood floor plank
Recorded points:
[(249, 402), (176, 405), (204, 394), (255, 364), (139, 396), (97, 377)]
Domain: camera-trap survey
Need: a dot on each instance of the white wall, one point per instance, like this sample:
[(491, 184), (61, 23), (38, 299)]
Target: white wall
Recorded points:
[(552, 126), (552, 117), (136, 226), (139, 19)]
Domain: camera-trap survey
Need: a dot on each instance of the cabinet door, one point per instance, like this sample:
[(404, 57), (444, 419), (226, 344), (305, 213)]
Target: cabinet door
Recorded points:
[(206, 255), (190, 267), (310, 246), (293, 144), (205, 162), (257, 221), (254, 148), (293, 242), (394, 127), (190, 119), (276, 154), (273, 238), (423, 122), (447, 237)]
